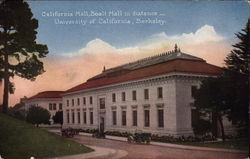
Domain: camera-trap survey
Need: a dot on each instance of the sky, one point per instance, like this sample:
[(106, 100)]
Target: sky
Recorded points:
[(85, 36)]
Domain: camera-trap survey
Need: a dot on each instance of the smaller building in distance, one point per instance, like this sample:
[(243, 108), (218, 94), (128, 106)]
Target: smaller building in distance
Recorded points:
[(50, 100)]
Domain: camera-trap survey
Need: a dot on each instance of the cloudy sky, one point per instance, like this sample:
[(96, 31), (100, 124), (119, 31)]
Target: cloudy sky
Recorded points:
[(84, 36)]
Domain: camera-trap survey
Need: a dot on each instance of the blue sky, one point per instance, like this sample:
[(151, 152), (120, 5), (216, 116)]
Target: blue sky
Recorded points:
[(227, 18)]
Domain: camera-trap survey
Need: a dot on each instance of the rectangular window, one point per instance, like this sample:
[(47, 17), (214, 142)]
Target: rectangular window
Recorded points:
[(90, 100), (60, 106), (134, 115), (78, 117), (54, 106), (160, 118), (78, 101), (134, 95), (123, 96), (84, 117), (146, 94), (113, 97), (159, 92), (50, 106), (124, 118), (73, 102), (146, 118), (114, 117), (193, 90), (67, 103), (73, 117), (84, 100), (67, 116), (91, 117), (102, 103)]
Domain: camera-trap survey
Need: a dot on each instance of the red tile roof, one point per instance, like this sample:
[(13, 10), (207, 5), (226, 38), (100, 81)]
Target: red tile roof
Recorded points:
[(175, 65), (47, 94)]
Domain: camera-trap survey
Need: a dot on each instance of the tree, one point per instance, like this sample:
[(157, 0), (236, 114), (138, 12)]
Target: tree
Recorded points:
[(238, 62), (239, 57), (38, 115), (213, 97), (58, 117), (18, 111), (20, 54)]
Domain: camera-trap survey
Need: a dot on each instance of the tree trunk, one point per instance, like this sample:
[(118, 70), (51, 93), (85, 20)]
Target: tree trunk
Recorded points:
[(215, 124), (222, 127), (6, 84)]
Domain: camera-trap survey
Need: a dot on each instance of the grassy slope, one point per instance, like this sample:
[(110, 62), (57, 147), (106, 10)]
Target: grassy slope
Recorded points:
[(21, 140)]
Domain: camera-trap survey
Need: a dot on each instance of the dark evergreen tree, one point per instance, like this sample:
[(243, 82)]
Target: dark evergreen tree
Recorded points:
[(239, 57), (20, 54), (38, 115), (238, 64)]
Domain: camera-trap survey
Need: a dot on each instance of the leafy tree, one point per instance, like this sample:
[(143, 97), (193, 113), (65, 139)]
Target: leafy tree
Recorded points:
[(202, 127), (17, 111), (20, 54), (58, 117), (213, 97), (38, 115)]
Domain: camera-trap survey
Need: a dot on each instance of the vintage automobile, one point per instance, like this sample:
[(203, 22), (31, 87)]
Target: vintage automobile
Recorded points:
[(139, 137), (69, 132)]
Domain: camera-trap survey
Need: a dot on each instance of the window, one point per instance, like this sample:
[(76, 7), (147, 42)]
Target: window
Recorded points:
[(134, 115), (146, 94), (159, 92), (91, 117), (73, 117), (60, 106), (90, 100), (50, 106), (78, 101), (102, 103), (67, 103), (54, 106), (84, 100), (84, 117), (123, 96), (113, 97), (160, 118), (124, 118), (78, 117), (114, 117), (67, 116), (193, 90), (146, 118), (134, 95), (73, 102)]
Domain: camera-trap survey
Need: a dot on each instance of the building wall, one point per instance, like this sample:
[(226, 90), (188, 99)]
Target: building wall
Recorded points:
[(44, 103), (184, 103), (175, 105)]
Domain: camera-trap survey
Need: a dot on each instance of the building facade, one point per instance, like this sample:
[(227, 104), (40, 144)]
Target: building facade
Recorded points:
[(50, 100), (154, 95)]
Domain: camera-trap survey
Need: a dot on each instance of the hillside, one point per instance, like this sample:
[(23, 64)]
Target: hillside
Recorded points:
[(21, 140)]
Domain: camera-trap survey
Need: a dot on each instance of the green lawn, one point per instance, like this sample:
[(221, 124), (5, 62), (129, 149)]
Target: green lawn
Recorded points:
[(19, 140)]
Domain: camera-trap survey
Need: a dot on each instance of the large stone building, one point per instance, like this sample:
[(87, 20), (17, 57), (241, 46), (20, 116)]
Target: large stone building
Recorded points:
[(154, 95), (50, 100)]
